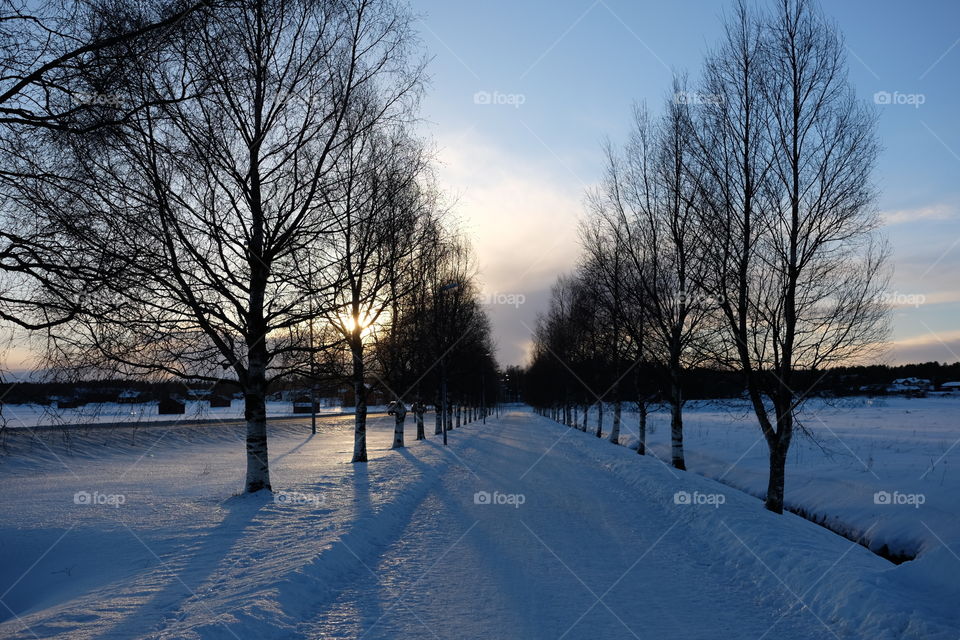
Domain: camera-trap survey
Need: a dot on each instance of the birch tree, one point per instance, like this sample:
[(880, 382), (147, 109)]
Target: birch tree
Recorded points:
[(52, 57), (796, 263), (211, 200)]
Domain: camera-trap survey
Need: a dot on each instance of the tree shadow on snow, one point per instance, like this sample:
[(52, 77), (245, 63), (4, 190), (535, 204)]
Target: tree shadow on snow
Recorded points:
[(191, 566)]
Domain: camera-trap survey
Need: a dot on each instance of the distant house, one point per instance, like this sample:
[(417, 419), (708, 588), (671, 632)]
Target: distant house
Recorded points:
[(70, 402), (949, 387), (914, 387), (303, 404), (218, 401), (130, 396), (171, 406), (874, 389)]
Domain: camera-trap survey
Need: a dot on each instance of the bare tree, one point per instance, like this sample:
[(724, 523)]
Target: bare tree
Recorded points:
[(616, 267), (650, 202), (374, 227), (53, 81), (211, 202), (796, 267), (412, 250)]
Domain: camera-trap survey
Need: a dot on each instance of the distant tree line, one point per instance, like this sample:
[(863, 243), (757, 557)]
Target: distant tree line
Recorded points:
[(711, 384), (734, 231), (231, 191)]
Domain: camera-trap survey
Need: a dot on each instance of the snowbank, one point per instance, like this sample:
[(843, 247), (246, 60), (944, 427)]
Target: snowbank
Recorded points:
[(876, 468), (799, 563)]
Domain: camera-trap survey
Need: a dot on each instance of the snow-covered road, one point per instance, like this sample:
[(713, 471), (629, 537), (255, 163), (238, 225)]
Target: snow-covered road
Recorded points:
[(521, 528), (569, 553)]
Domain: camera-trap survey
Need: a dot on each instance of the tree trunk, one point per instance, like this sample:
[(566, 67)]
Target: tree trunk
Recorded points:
[(255, 413), (586, 417), (642, 428), (419, 415), (676, 421), (615, 430), (775, 483), (779, 444), (438, 409), (360, 393), (459, 412), (399, 418), (443, 399), (600, 419)]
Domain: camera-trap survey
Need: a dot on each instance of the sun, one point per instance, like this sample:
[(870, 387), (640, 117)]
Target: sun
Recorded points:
[(350, 323)]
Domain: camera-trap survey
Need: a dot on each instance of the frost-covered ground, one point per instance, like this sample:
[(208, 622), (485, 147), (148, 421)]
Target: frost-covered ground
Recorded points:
[(521, 528), (905, 449), (33, 415)]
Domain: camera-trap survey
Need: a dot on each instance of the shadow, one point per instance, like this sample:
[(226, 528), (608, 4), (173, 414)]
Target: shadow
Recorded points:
[(276, 459), (195, 567), (361, 490), (350, 564)]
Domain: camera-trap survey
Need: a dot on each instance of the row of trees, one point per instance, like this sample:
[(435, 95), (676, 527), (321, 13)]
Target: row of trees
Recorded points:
[(735, 230), (231, 190)]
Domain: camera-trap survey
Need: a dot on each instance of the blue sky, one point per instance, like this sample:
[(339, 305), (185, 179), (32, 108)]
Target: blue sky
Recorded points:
[(522, 94)]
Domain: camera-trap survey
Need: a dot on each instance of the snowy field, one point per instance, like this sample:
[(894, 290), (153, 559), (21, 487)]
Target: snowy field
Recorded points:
[(522, 528), (881, 468), (34, 415)]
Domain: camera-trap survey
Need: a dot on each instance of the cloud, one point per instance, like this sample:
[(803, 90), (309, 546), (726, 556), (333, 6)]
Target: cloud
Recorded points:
[(943, 346), (932, 212), (522, 221)]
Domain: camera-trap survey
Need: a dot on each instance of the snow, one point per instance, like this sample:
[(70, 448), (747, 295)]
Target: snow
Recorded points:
[(35, 415), (425, 541), (853, 454)]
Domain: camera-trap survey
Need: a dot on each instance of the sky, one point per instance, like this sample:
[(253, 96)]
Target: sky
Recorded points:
[(523, 92)]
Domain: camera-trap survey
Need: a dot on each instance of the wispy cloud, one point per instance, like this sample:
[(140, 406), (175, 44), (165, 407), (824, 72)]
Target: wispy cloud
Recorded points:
[(941, 346), (522, 219), (932, 212)]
